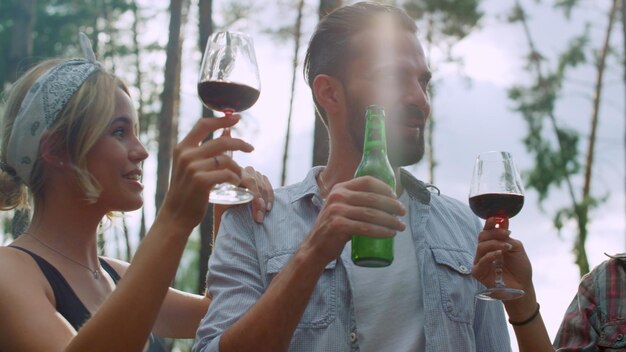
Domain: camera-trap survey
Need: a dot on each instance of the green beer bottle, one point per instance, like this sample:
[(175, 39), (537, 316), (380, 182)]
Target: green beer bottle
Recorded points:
[(368, 251)]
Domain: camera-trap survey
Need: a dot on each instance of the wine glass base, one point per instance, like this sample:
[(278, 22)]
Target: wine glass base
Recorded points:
[(227, 194), (500, 294)]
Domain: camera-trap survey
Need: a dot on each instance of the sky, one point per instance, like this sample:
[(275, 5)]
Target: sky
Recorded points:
[(471, 118)]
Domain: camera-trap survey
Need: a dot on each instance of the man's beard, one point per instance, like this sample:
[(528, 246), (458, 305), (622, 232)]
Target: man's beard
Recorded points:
[(401, 151)]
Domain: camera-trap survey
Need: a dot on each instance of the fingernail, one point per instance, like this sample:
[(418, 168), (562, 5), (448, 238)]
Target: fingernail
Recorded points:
[(259, 216), (269, 206), (508, 246)]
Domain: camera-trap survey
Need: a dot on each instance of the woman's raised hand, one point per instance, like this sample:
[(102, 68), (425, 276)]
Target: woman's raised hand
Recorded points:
[(495, 241), (198, 166)]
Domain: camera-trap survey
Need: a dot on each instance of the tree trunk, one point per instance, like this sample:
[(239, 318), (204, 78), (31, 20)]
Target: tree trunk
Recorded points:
[(581, 253), (138, 74), (296, 51), (21, 48), (623, 8), (430, 131), (142, 225), (206, 226), (129, 250), (320, 134), (170, 98)]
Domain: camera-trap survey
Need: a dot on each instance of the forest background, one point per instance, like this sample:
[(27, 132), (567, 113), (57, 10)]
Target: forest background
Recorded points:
[(543, 79)]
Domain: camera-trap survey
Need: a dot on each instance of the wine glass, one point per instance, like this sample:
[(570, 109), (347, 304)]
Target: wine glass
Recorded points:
[(229, 82), (496, 191)]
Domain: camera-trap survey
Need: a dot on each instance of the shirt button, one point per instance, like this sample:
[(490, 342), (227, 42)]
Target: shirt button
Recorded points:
[(352, 336), (463, 269)]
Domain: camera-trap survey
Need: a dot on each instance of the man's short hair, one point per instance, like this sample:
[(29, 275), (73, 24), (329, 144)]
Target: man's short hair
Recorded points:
[(329, 49)]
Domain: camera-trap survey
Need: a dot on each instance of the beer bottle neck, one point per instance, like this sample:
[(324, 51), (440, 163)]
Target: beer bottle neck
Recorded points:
[(375, 139)]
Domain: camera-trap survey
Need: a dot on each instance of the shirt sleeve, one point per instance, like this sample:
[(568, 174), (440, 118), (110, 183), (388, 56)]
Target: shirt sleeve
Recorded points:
[(234, 282), (578, 331), (490, 327)]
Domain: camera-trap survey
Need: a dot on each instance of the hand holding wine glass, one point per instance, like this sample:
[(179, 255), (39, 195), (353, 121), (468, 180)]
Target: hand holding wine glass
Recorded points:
[(496, 191), (229, 82)]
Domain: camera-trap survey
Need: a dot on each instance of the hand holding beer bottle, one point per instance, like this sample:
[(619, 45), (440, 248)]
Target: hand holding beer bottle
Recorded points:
[(365, 206), (371, 251)]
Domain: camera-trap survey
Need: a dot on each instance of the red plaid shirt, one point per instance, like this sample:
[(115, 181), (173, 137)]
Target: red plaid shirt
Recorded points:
[(596, 318)]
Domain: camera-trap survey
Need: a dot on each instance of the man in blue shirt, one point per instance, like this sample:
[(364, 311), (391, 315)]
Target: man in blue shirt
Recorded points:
[(289, 283)]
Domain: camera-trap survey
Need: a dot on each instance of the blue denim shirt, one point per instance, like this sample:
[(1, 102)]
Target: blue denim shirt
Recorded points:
[(248, 255)]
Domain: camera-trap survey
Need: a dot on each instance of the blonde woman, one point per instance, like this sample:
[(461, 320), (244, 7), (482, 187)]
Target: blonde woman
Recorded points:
[(70, 141)]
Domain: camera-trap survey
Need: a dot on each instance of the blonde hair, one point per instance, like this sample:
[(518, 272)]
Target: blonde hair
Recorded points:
[(77, 128)]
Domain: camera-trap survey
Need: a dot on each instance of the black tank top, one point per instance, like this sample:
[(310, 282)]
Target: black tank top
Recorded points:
[(67, 302)]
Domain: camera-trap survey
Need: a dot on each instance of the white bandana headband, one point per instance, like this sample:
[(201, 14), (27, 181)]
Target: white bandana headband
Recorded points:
[(41, 107)]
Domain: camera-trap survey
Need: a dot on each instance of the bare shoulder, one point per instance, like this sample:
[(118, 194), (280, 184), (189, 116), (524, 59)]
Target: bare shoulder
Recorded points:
[(15, 263), (28, 317), (118, 265), (20, 273)]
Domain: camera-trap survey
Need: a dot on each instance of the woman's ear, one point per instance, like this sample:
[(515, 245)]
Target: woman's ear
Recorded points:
[(50, 151), (329, 93)]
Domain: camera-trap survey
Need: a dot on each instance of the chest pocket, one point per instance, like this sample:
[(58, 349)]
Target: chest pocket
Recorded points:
[(455, 283), (322, 307), (613, 336)]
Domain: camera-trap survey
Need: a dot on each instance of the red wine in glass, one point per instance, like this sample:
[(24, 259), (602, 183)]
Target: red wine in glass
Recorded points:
[(502, 205), (229, 82), (222, 96), (496, 191)]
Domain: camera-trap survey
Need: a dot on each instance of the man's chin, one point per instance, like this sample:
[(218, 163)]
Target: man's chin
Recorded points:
[(406, 159), (405, 154)]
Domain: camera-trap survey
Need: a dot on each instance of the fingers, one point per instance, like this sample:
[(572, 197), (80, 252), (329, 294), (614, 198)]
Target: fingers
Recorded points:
[(259, 185), (371, 184), (496, 223), (221, 145), (204, 126), (484, 265), (365, 206), (494, 234), (367, 215), (369, 229), (386, 203), (216, 163), (267, 192), (491, 246), (217, 169)]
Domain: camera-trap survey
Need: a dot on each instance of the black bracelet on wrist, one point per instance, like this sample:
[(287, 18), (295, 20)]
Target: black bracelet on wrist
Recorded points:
[(524, 322)]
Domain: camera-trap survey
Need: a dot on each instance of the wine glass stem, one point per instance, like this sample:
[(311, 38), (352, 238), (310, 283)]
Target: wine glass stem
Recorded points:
[(497, 265), (499, 261), (226, 133)]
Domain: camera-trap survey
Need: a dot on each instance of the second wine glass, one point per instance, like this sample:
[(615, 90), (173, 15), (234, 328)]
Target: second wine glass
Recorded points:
[(229, 82), (496, 191)]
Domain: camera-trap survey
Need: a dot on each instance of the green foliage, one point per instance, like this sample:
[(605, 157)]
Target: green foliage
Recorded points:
[(517, 14), (574, 55), (554, 147), (56, 26), (554, 162), (454, 18), (567, 6), (235, 14)]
